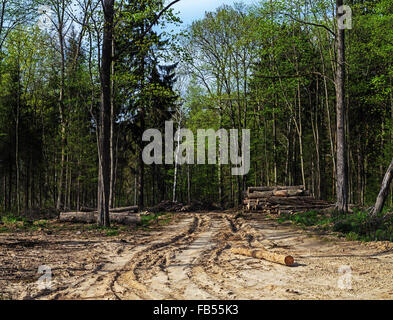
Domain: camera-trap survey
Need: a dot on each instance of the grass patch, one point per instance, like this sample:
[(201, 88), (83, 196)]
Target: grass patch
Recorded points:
[(356, 226), (11, 222), (309, 218), (112, 232), (154, 218)]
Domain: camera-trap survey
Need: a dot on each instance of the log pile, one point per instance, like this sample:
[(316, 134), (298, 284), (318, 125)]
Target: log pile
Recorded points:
[(125, 215), (281, 199)]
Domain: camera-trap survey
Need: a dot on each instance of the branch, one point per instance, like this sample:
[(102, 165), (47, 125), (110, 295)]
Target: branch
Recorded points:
[(312, 24), (300, 75), (158, 17)]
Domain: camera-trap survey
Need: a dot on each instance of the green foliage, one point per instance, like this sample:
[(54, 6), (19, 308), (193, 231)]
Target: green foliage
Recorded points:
[(309, 218), (113, 232), (355, 226), (257, 67)]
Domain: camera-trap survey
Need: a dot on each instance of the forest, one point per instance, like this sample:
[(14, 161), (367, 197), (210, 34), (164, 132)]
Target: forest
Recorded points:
[(67, 81), (304, 90)]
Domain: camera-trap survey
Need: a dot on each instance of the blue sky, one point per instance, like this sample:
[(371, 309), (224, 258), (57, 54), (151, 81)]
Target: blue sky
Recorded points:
[(191, 10)]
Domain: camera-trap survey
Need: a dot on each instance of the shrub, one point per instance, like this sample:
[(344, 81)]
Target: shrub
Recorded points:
[(356, 226)]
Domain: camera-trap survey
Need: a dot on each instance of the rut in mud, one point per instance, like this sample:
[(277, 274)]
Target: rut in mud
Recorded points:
[(190, 259)]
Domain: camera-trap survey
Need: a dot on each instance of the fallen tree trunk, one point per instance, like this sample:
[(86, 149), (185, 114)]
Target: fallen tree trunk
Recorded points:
[(91, 217), (266, 255)]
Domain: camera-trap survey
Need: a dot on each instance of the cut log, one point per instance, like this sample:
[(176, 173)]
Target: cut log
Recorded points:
[(292, 200), (261, 189), (125, 209), (266, 255), (83, 217), (86, 209), (115, 210), (288, 193), (260, 195), (91, 217), (274, 199), (125, 219), (276, 193)]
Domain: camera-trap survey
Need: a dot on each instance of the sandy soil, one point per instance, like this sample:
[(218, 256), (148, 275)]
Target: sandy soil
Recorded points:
[(190, 259)]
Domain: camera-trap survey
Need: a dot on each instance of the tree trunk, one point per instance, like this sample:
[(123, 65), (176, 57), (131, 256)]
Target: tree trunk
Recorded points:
[(135, 189), (141, 181), (104, 152), (342, 179), (112, 179), (17, 142), (61, 108), (189, 185), (383, 193), (176, 162)]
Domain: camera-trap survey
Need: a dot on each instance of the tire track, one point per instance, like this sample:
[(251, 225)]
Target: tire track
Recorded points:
[(131, 281)]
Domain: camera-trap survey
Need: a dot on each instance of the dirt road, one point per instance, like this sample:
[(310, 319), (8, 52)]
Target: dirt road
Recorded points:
[(190, 259)]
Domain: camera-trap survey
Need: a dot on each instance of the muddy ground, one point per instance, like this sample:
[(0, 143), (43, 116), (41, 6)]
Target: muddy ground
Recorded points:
[(190, 258)]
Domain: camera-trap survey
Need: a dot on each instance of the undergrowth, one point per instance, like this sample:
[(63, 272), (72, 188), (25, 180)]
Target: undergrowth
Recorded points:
[(356, 226), (10, 223)]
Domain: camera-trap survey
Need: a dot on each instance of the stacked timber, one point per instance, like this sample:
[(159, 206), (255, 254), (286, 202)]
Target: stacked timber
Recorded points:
[(125, 215), (281, 199)]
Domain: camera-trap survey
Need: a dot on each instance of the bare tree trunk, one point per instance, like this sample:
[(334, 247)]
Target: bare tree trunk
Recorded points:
[(300, 132), (274, 146), (17, 143), (383, 193), (219, 172), (141, 179), (104, 152), (112, 180), (315, 129), (342, 179), (60, 13), (176, 161), (135, 189), (4, 192), (189, 184)]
